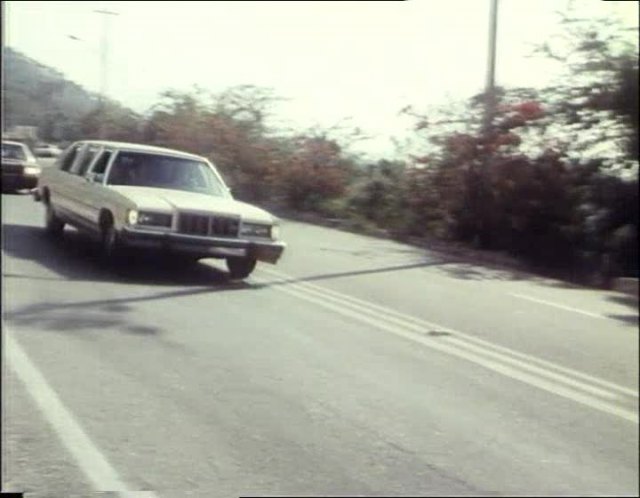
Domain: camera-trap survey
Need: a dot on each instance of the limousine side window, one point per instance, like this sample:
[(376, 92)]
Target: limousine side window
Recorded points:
[(84, 161), (100, 166), (69, 158)]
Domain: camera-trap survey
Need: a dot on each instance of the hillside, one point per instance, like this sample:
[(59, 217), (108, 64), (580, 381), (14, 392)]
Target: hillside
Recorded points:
[(34, 94)]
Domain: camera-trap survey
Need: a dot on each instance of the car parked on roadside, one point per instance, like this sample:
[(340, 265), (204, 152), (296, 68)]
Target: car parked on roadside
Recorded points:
[(139, 196), (20, 169), (47, 150)]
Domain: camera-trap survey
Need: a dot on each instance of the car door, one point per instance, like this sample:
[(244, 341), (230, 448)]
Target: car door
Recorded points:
[(97, 193), (80, 188), (59, 180)]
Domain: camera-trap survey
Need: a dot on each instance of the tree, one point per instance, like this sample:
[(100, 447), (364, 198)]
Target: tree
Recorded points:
[(230, 128), (314, 171), (594, 108), (554, 178), (115, 121)]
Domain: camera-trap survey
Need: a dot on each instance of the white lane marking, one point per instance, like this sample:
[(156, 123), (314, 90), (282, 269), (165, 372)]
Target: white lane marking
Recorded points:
[(91, 461), (389, 313), (420, 329), (380, 321), (560, 306)]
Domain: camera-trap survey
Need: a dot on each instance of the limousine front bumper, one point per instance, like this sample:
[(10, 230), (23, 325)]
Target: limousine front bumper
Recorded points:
[(267, 251)]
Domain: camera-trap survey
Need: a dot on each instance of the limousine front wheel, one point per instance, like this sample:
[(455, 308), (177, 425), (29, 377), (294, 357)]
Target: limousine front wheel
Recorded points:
[(110, 246), (53, 225), (240, 268)]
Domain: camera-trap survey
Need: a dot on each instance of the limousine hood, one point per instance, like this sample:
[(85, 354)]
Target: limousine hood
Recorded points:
[(171, 201)]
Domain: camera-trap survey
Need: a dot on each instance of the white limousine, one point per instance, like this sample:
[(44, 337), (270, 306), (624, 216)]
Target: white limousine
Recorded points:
[(130, 195)]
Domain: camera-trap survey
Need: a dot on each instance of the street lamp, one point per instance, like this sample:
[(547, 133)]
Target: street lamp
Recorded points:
[(94, 51), (104, 63)]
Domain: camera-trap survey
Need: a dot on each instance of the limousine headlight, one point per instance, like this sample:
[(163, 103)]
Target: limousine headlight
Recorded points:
[(132, 216), (256, 230)]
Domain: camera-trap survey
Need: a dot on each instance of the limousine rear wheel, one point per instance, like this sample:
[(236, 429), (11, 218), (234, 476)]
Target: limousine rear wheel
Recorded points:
[(53, 225), (240, 268)]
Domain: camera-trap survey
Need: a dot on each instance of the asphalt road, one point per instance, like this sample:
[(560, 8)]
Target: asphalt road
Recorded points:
[(356, 366), (46, 162)]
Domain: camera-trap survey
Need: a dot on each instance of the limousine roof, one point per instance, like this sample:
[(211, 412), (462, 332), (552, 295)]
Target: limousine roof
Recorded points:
[(140, 148)]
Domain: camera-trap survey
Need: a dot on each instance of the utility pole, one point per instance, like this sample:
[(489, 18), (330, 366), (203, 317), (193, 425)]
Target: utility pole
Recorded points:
[(490, 92), (483, 197), (3, 12), (104, 60)]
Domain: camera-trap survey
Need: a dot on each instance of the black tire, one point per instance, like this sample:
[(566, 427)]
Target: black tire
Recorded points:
[(53, 225), (240, 268), (185, 260), (110, 247)]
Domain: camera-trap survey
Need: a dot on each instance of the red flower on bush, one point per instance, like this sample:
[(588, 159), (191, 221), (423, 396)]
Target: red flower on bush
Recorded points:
[(529, 110)]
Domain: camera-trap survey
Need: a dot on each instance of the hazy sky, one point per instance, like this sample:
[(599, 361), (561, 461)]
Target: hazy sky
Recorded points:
[(364, 60)]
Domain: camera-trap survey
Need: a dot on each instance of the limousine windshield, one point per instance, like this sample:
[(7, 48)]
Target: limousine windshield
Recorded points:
[(158, 171)]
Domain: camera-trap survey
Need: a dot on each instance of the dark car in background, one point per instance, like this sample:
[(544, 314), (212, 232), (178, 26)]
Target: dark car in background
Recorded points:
[(20, 169)]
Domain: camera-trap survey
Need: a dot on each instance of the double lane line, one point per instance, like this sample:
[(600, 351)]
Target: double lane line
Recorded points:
[(571, 384)]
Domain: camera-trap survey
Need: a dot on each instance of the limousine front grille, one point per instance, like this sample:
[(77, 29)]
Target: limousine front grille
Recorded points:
[(208, 226)]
